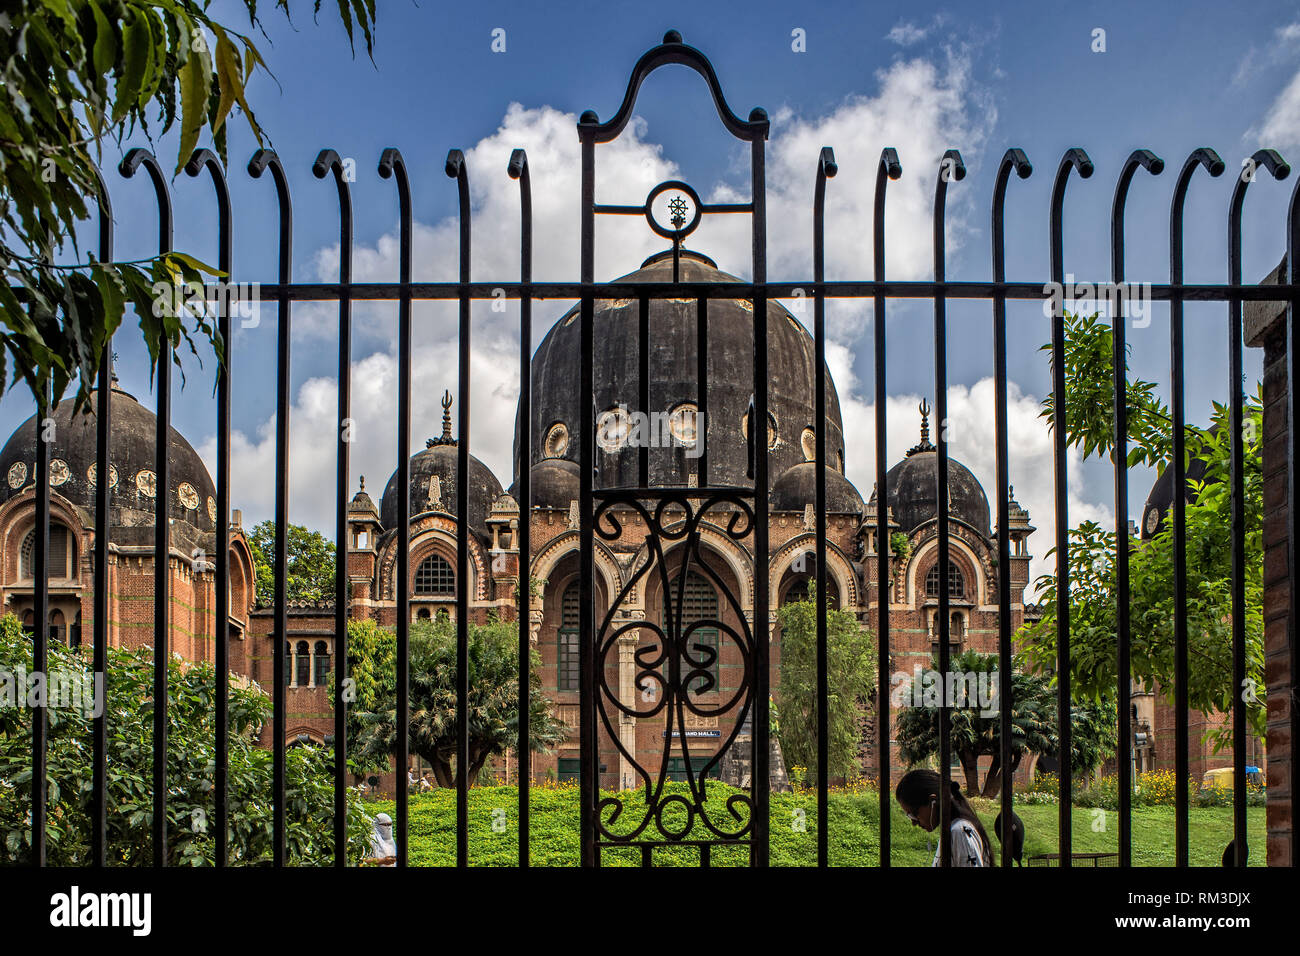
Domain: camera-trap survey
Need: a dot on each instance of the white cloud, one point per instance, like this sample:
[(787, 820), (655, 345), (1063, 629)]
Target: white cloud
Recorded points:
[(1280, 127)]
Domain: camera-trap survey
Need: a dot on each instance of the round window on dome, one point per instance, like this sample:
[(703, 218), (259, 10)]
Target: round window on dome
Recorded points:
[(59, 472), (188, 496), (613, 426), (557, 441), (146, 482), (92, 475), (17, 474), (683, 424), (808, 441), (771, 428)]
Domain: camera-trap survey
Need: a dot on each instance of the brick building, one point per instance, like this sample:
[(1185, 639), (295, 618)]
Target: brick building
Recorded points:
[(701, 583)]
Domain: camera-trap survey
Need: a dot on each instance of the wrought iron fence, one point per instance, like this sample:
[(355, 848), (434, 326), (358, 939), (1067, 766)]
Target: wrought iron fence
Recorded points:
[(677, 664)]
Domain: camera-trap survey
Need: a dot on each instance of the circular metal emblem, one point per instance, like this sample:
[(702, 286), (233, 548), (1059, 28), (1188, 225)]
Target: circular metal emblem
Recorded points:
[(682, 206), (146, 482), (188, 496), (59, 473), (17, 474)]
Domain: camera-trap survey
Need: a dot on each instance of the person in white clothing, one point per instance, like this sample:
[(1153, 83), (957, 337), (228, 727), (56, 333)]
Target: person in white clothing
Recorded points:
[(918, 795)]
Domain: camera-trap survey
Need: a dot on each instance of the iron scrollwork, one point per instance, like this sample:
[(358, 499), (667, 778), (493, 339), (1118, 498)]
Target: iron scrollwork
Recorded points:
[(675, 669)]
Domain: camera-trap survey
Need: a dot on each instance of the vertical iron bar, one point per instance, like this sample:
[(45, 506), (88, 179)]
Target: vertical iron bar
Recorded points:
[(1119, 367), (1077, 159), (643, 380), (133, 160), (204, 158), (761, 780), (1012, 159), (1274, 163), (328, 160), (1214, 165), (589, 763), (518, 169), (41, 630), (702, 390), (392, 165), (456, 169), (262, 160), (950, 167), (826, 168), (99, 667), (887, 169), (1292, 369)]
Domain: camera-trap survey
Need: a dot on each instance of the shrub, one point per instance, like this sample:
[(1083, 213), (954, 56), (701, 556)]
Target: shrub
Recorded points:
[(191, 766)]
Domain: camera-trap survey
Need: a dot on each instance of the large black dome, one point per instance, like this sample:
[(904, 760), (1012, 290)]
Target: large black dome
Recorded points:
[(439, 460), (132, 477), (556, 373)]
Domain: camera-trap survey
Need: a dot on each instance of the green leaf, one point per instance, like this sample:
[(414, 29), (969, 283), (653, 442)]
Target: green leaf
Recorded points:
[(137, 42), (196, 77)]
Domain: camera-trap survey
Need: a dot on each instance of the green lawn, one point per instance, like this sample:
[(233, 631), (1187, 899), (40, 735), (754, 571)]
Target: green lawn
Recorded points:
[(854, 834)]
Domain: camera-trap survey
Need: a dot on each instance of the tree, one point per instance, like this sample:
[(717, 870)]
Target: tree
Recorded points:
[(310, 563), (77, 72), (1091, 556), (493, 697), (976, 720), (850, 670), (191, 764)]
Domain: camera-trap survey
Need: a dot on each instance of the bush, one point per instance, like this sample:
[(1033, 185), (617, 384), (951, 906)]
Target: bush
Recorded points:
[(191, 766)]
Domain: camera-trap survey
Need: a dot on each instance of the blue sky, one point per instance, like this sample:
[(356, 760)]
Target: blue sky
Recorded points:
[(921, 77)]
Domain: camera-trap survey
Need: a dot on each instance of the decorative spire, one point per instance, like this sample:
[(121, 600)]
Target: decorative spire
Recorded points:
[(924, 444), (446, 438), (363, 483)]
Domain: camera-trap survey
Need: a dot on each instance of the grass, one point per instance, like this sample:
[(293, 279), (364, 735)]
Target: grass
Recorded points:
[(854, 833)]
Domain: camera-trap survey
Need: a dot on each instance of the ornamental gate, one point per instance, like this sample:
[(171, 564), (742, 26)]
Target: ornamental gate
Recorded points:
[(675, 656)]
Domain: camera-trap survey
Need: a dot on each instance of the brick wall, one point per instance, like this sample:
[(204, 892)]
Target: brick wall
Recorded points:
[(1265, 327)]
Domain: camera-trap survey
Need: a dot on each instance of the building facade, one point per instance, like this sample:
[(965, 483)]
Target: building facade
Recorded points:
[(707, 588)]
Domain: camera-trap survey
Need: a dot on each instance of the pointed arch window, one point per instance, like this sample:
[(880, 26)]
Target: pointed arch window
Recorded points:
[(956, 581), (435, 576)]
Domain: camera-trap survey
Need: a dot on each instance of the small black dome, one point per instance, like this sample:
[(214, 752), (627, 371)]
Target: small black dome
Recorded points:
[(1161, 498), (132, 474), (553, 484), (911, 488), (439, 460), (798, 487)]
